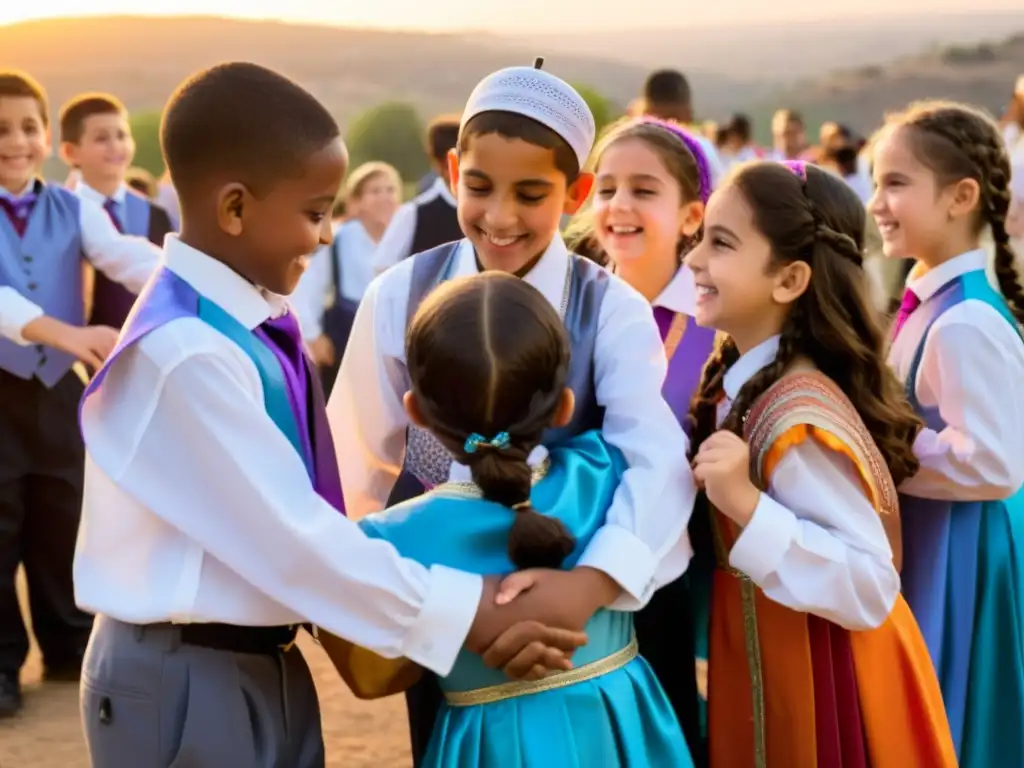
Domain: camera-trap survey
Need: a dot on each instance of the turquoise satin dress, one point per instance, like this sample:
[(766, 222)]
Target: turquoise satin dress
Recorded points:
[(620, 718)]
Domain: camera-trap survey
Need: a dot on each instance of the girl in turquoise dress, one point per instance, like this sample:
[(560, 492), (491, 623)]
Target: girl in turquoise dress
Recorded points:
[(487, 358)]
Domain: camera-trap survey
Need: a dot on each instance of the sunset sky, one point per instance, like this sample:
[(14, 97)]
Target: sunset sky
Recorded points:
[(488, 14)]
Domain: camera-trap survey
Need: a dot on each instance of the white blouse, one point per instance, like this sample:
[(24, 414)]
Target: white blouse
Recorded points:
[(815, 542)]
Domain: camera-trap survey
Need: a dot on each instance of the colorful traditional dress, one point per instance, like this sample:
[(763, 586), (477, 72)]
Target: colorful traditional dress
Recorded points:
[(963, 572), (608, 710), (789, 688)]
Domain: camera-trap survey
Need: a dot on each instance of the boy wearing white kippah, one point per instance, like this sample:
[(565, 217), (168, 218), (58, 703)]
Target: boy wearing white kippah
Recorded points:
[(524, 138)]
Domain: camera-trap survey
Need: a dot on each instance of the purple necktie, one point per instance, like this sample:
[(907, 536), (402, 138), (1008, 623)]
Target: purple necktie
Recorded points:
[(110, 206), (910, 303), (18, 210)]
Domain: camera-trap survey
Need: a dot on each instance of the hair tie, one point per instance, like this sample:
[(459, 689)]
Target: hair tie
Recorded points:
[(522, 505), (798, 167), (693, 147), (500, 442), (843, 244)]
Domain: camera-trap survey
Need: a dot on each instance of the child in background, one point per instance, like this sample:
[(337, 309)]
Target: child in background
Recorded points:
[(430, 219), (45, 230), (942, 176), (800, 434), (488, 358), (142, 181), (653, 181), (96, 140), (338, 275)]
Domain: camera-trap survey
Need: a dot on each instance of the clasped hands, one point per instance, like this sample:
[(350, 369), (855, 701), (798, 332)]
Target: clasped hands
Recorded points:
[(530, 623)]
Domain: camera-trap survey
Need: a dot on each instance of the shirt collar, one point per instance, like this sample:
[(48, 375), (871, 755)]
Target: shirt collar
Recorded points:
[(89, 193), (34, 186), (750, 363), (547, 275), (926, 284), (244, 301), (680, 295), (442, 188)]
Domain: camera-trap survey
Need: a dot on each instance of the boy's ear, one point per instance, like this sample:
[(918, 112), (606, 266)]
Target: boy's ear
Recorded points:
[(69, 154), (453, 170), (578, 192)]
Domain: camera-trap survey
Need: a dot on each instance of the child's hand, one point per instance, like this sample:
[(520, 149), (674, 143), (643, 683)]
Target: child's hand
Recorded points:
[(321, 350), (91, 344), (530, 650), (722, 468)]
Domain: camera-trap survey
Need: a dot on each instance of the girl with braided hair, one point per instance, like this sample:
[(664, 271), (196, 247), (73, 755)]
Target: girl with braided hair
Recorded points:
[(488, 357), (800, 433), (942, 177)]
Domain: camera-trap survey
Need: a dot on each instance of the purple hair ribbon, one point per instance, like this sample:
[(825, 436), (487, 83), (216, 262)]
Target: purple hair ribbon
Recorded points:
[(695, 149), (798, 167)]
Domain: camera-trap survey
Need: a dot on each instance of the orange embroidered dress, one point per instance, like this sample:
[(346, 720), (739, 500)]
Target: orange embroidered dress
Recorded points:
[(792, 690)]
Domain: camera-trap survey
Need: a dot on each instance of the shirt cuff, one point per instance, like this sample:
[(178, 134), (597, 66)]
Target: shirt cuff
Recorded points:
[(440, 630), (19, 313), (762, 545), (926, 443), (623, 556)]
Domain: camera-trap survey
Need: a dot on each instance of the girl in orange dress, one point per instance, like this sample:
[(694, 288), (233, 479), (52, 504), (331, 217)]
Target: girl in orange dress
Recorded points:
[(800, 430)]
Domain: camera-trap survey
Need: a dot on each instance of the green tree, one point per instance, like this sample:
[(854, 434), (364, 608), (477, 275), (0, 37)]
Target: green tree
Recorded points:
[(392, 133), (146, 130), (604, 110)]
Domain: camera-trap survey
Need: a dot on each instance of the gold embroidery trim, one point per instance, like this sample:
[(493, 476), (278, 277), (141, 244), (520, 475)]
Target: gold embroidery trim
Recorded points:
[(674, 335), (515, 688)]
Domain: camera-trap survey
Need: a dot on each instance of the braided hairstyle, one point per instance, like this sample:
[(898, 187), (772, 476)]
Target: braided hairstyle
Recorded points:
[(958, 142), (488, 355), (810, 215), (680, 153)]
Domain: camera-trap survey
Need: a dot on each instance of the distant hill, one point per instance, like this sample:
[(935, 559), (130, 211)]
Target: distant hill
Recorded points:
[(982, 74), (143, 59)]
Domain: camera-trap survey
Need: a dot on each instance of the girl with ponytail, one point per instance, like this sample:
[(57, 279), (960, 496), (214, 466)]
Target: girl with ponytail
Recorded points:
[(487, 358), (800, 432), (942, 179)]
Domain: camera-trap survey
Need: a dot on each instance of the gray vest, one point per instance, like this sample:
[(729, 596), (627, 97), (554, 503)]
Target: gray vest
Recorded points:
[(425, 457), (45, 266)]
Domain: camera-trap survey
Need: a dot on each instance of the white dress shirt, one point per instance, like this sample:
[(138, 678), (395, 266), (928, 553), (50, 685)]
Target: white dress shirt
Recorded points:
[(644, 543), (971, 366), (123, 258), (354, 248), (396, 244), (198, 509), (815, 543)]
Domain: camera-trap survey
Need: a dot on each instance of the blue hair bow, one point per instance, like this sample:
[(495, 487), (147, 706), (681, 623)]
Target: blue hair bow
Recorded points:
[(501, 441)]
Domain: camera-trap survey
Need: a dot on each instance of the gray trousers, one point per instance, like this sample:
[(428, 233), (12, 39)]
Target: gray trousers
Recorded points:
[(147, 701)]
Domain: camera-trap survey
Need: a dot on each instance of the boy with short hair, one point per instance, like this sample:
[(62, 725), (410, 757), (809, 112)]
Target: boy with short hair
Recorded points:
[(214, 519), (45, 231), (524, 138), (430, 218), (96, 140)]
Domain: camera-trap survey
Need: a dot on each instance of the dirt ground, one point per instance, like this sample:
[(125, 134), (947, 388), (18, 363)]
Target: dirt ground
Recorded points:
[(358, 734)]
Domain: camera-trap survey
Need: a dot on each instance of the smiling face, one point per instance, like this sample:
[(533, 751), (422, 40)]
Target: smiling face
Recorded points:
[(105, 150), (273, 236), (739, 291), (24, 141), (378, 199), (911, 210), (639, 210), (511, 198)]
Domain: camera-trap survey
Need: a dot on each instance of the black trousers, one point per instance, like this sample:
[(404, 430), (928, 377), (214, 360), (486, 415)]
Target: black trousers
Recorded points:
[(42, 462)]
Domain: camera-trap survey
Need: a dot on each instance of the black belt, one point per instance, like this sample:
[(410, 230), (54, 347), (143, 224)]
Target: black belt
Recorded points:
[(267, 641)]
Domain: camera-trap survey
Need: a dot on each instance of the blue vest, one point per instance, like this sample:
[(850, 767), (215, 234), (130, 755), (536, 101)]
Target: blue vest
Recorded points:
[(45, 266), (426, 459)]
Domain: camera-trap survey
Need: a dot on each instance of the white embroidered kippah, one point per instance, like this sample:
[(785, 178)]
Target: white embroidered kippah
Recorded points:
[(534, 93)]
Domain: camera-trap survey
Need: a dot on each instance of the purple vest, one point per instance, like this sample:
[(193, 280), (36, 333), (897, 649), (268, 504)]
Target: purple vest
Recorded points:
[(686, 365), (45, 266), (292, 395)]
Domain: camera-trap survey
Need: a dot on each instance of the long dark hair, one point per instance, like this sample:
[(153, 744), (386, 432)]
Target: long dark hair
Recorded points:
[(810, 215), (487, 357), (958, 142)]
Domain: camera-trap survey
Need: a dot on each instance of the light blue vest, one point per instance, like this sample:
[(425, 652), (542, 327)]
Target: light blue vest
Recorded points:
[(45, 266)]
